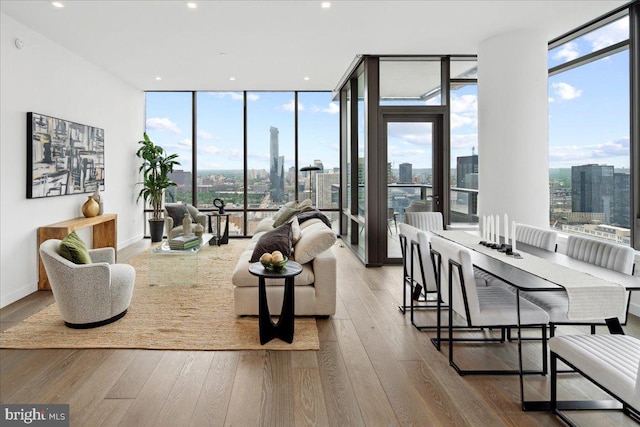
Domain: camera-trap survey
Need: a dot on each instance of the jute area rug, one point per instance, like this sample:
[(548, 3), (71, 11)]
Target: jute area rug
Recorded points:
[(168, 314)]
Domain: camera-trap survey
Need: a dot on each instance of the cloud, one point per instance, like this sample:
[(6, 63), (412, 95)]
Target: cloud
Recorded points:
[(411, 133), (458, 121), (205, 135), (235, 96), (290, 106), (565, 92), (464, 104), (569, 155), (163, 124), (609, 34), (466, 142), (333, 108), (567, 52)]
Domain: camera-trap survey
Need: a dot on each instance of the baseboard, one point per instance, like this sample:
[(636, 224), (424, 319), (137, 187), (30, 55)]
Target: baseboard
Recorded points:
[(131, 241), (18, 294)]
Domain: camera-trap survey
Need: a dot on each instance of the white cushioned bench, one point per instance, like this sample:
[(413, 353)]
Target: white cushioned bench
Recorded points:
[(610, 361)]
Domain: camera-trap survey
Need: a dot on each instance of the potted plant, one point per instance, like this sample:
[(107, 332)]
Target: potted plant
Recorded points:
[(155, 169)]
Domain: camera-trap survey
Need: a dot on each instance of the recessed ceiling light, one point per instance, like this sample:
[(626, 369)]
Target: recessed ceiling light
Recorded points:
[(306, 78), (325, 4), (57, 4), (158, 78), (192, 5), (232, 78)]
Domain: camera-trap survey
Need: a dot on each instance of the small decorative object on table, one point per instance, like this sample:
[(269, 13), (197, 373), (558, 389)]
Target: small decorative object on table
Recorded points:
[(219, 203), (90, 208), (274, 261), (198, 230), (186, 224), (98, 198)]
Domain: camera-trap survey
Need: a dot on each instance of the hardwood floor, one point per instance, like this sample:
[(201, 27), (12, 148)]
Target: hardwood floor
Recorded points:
[(373, 369)]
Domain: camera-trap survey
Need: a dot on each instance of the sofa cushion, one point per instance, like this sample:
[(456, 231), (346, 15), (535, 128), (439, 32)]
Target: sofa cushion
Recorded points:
[(242, 277), (73, 248), (315, 239), (278, 239)]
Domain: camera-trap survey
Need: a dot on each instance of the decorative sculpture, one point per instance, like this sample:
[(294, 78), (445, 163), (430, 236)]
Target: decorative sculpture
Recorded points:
[(219, 203)]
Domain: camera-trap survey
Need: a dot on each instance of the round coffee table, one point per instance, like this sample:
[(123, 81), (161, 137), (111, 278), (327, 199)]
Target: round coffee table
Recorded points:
[(284, 328)]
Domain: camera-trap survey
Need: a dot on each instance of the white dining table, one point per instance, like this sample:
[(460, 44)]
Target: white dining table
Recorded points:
[(596, 291)]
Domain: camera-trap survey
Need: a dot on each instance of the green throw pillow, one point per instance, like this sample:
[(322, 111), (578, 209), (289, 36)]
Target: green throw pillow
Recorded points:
[(73, 248)]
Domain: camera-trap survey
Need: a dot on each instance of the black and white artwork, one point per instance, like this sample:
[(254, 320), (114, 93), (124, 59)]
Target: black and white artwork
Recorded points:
[(63, 157)]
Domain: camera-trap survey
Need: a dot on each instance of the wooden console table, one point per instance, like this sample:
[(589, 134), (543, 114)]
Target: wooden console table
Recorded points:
[(105, 234)]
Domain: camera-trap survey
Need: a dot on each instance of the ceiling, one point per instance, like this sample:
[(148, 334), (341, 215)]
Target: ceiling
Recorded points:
[(274, 45)]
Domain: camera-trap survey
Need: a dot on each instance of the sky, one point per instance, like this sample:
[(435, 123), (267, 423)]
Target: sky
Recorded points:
[(588, 119), (589, 105)]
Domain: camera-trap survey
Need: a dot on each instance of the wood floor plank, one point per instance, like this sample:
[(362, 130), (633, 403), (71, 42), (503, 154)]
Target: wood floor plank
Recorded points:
[(211, 407), (246, 396), (152, 397), (277, 403), (108, 413), (87, 395), (181, 401), (340, 400), (373, 401), (308, 399), (136, 375)]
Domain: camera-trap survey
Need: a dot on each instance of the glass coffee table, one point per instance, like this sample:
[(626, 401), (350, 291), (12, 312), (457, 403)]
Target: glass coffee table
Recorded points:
[(168, 267)]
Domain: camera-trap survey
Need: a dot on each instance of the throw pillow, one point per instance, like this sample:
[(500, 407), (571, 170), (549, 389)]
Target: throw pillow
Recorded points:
[(296, 232), (315, 240), (176, 212), (286, 215), (305, 205), (73, 248), (283, 208), (278, 239)]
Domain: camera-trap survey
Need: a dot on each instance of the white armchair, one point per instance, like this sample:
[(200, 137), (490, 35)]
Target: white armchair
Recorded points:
[(88, 295), (175, 228)]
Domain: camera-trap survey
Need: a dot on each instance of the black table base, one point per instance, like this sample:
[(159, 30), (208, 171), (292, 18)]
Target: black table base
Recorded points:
[(284, 328)]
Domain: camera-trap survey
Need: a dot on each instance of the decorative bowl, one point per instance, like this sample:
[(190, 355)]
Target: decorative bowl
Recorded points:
[(275, 266)]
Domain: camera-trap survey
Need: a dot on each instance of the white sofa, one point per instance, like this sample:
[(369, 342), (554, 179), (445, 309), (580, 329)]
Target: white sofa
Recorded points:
[(315, 287)]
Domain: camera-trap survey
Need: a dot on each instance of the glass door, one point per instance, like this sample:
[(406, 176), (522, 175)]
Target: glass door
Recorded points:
[(413, 176)]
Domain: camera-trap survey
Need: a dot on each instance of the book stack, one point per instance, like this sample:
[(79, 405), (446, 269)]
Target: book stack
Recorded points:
[(181, 243)]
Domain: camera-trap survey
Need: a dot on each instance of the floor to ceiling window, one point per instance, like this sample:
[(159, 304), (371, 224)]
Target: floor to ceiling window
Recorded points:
[(589, 132), (257, 171), (220, 153), (169, 124)]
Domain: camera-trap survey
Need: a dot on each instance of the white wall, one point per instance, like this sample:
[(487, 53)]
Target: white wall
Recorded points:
[(46, 78), (513, 143)]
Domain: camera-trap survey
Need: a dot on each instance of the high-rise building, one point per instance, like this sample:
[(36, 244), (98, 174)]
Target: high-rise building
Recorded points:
[(406, 173), (466, 171), (621, 200), (276, 171), (318, 163), (467, 177), (592, 189), (325, 183)]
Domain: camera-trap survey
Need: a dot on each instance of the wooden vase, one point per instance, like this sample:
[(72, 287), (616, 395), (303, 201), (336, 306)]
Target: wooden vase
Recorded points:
[(90, 208)]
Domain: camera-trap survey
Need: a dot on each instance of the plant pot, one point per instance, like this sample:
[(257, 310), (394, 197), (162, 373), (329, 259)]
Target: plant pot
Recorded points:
[(156, 229)]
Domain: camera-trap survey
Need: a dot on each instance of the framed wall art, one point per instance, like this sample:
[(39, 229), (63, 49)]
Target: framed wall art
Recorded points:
[(63, 157)]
